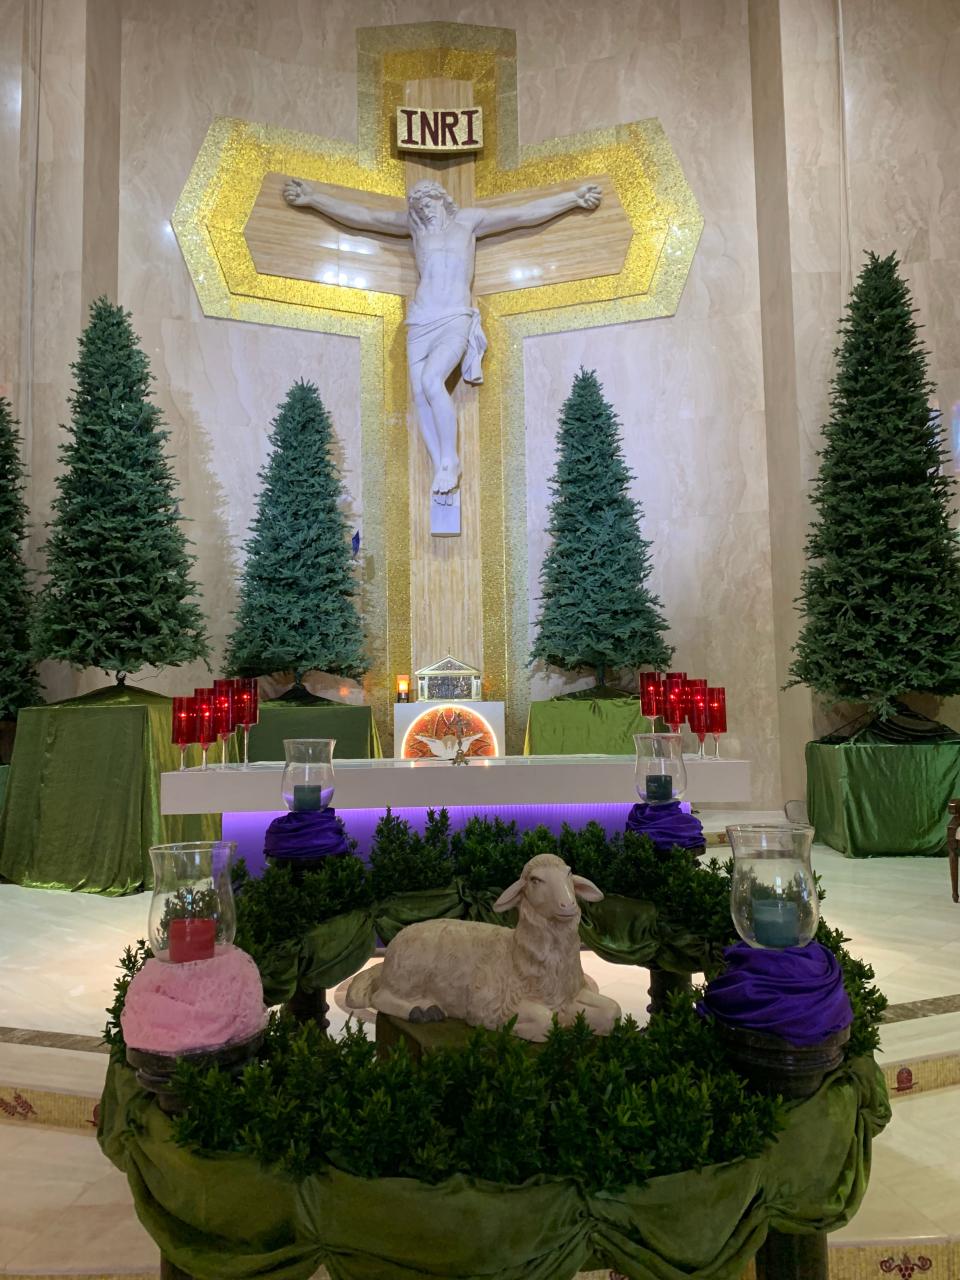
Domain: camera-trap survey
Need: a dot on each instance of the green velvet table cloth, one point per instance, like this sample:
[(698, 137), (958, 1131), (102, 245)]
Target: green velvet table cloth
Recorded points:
[(224, 1217), (584, 727), (353, 727), (870, 799), (4, 776), (83, 795)]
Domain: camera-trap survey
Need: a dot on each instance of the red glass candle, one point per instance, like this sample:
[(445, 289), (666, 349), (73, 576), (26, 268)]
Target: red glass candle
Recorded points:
[(694, 695), (206, 729), (674, 683), (192, 940), (247, 703), (717, 709), (651, 694), (183, 726), (223, 706), (224, 716)]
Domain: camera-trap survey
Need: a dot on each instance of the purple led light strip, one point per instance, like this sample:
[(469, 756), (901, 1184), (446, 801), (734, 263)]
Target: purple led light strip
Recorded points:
[(248, 828)]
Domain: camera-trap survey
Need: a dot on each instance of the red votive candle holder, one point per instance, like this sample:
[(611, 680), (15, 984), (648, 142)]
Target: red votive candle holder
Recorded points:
[(206, 729), (651, 694), (183, 725), (224, 716), (246, 700), (698, 721), (191, 939), (694, 692), (674, 684), (716, 715)]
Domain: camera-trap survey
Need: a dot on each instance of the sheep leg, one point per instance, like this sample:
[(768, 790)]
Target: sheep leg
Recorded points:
[(533, 1021), (422, 1010), (600, 1011)]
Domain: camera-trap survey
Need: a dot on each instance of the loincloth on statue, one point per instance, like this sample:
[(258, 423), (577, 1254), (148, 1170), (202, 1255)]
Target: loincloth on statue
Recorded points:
[(462, 326)]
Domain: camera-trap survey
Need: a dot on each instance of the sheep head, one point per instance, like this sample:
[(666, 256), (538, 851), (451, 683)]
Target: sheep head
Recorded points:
[(550, 889)]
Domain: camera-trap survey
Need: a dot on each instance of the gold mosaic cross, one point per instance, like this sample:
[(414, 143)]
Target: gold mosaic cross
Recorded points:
[(254, 258)]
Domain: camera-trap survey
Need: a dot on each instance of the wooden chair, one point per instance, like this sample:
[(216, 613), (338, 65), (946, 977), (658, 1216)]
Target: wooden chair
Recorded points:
[(953, 808)]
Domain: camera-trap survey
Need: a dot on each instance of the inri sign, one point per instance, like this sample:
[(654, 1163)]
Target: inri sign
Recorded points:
[(420, 129)]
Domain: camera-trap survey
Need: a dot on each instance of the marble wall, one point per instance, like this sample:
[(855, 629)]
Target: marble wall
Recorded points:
[(858, 127)]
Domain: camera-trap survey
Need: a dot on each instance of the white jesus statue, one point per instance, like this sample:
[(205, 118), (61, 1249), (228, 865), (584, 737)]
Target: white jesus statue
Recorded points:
[(443, 326)]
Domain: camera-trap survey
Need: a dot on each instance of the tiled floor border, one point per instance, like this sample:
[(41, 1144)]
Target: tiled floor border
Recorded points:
[(939, 1260)]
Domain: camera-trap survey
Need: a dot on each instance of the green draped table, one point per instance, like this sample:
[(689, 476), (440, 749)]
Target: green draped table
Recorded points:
[(219, 1216), (869, 798), (4, 776), (83, 794), (584, 727), (353, 727)]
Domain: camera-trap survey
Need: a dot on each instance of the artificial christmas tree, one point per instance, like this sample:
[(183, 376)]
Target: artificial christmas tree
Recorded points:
[(118, 595), (297, 609), (881, 593), (18, 683), (596, 609)]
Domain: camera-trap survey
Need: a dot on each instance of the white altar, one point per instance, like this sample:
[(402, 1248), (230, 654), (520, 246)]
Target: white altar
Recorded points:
[(495, 781), (530, 791)]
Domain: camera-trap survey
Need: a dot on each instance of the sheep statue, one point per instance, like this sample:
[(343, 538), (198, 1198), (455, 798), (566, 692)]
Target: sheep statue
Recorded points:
[(485, 974)]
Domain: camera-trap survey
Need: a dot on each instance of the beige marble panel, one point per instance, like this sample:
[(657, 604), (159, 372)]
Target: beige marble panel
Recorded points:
[(101, 151), (14, 199), (58, 238)]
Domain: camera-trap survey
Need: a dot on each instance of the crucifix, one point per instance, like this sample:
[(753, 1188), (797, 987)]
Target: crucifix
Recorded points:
[(253, 256), (443, 326)]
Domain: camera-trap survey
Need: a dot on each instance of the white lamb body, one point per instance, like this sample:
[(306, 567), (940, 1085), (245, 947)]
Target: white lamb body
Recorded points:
[(484, 974)]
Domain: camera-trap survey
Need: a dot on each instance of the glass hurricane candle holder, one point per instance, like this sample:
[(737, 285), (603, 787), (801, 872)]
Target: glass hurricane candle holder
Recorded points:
[(183, 726), (192, 911), (308, 773), (246, 701), (661, 775), (206, 732), (403, 688), (773, 898), (716, 715)]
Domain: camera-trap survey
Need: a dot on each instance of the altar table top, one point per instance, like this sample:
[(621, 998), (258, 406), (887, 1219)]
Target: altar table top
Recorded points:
[(500, 780)]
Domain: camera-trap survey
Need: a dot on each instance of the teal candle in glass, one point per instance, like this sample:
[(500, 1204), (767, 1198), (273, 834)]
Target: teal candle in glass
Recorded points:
[(308, 798), (776, 922), (658, 787)]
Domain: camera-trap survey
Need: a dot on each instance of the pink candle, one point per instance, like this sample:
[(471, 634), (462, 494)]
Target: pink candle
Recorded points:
[(192, 940)]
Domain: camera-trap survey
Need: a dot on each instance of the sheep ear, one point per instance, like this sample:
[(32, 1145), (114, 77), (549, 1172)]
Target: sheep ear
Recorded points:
[(510, 897), (586, 889)]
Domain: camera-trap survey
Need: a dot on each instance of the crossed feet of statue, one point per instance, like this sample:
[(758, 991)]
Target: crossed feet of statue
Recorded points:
[(446, 481)]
